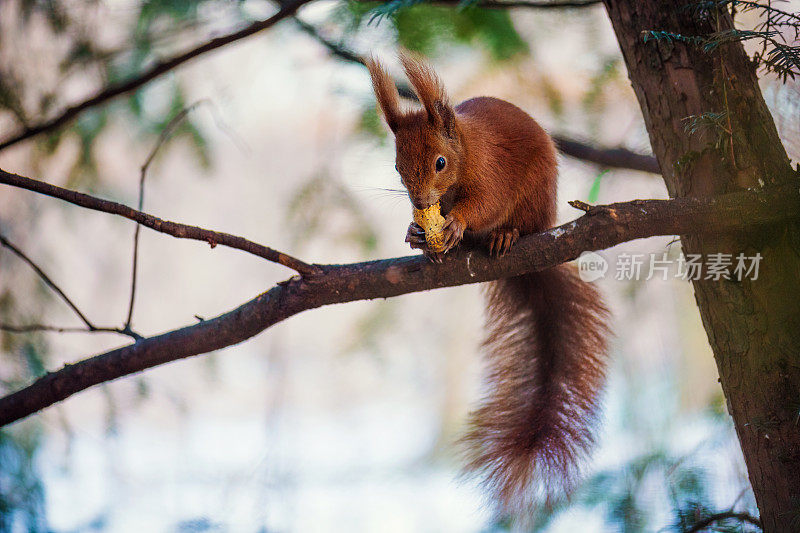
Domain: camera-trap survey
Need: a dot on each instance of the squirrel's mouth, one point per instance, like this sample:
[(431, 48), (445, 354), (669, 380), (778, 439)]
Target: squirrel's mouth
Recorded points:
[(446, 200), (425, 200)]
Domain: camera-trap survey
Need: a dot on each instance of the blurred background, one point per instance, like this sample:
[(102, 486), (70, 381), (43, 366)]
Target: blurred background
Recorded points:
[(343, 418)]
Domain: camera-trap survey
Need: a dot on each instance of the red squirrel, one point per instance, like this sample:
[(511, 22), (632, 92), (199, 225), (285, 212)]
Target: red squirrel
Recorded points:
[(494, 171)]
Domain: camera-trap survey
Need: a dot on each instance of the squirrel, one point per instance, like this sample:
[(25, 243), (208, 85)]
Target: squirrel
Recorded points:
[(494, 170)]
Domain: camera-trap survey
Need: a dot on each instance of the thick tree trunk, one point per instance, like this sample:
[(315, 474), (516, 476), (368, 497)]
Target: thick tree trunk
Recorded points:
[(753, 326)]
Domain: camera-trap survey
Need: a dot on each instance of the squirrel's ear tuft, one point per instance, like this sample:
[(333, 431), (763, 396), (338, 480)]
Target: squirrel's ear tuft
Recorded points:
[(385, 92), (447, 118), (431, 93)]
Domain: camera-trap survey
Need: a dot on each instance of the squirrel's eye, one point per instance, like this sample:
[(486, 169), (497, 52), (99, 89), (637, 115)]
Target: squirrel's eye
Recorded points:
[(440, 163)]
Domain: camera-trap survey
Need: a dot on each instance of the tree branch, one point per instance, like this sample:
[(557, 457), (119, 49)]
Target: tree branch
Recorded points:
[(728, 515), (29, 328), (176, 229), (162, 138), (606, 226), (287, 8), (46, 279), (605, 157)]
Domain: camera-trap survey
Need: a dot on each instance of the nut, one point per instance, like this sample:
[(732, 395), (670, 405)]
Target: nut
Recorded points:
[(431, 220)]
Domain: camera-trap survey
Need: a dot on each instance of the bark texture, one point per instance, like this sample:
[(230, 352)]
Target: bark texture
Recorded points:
[(753, 326)]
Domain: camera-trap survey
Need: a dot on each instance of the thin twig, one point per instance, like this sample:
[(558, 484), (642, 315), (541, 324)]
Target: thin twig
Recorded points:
[(340, 51), (583, 206), (287, 8), (741, 517), (176, 229), (162, 138), (47, 280), (30, 328), (605, 157), (593, 210)]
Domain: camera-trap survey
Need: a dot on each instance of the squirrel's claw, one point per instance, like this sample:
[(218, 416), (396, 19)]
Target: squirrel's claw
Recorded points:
[(453, 232), (415, 235), (501, 240), (434, 257)]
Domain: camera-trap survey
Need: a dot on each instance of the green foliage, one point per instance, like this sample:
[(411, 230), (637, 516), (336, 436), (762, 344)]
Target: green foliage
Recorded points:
[(777, 55), (87, 128), (714, 128), (11, 90), (34, 359), (418, 26), (609, 71), (155, 22), (494, 29), (671, 37), (685, 163), (625, 496), (554, 98), (708, 121), (371, 124), (426, 28), (594, 191), (152, 11), (21, 491), (780, 58), (186, 129), (593, 101)]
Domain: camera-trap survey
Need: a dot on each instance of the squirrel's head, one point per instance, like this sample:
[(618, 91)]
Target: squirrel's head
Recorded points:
[(429, 151)]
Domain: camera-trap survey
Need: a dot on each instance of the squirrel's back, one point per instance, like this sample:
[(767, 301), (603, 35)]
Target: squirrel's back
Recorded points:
[(510, 150)]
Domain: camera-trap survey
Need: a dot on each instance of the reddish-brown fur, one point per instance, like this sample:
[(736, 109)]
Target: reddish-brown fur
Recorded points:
[(546, 342)]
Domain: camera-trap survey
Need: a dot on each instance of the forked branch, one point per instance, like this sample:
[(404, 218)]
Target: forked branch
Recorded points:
[(176, 229), (90, 327)]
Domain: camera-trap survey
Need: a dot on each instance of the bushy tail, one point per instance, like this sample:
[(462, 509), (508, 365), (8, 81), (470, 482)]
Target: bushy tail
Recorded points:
[(546, 349)]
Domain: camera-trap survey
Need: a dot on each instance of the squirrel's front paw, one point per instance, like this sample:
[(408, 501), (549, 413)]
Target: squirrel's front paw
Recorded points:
[(415, 236), (453, 232)]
